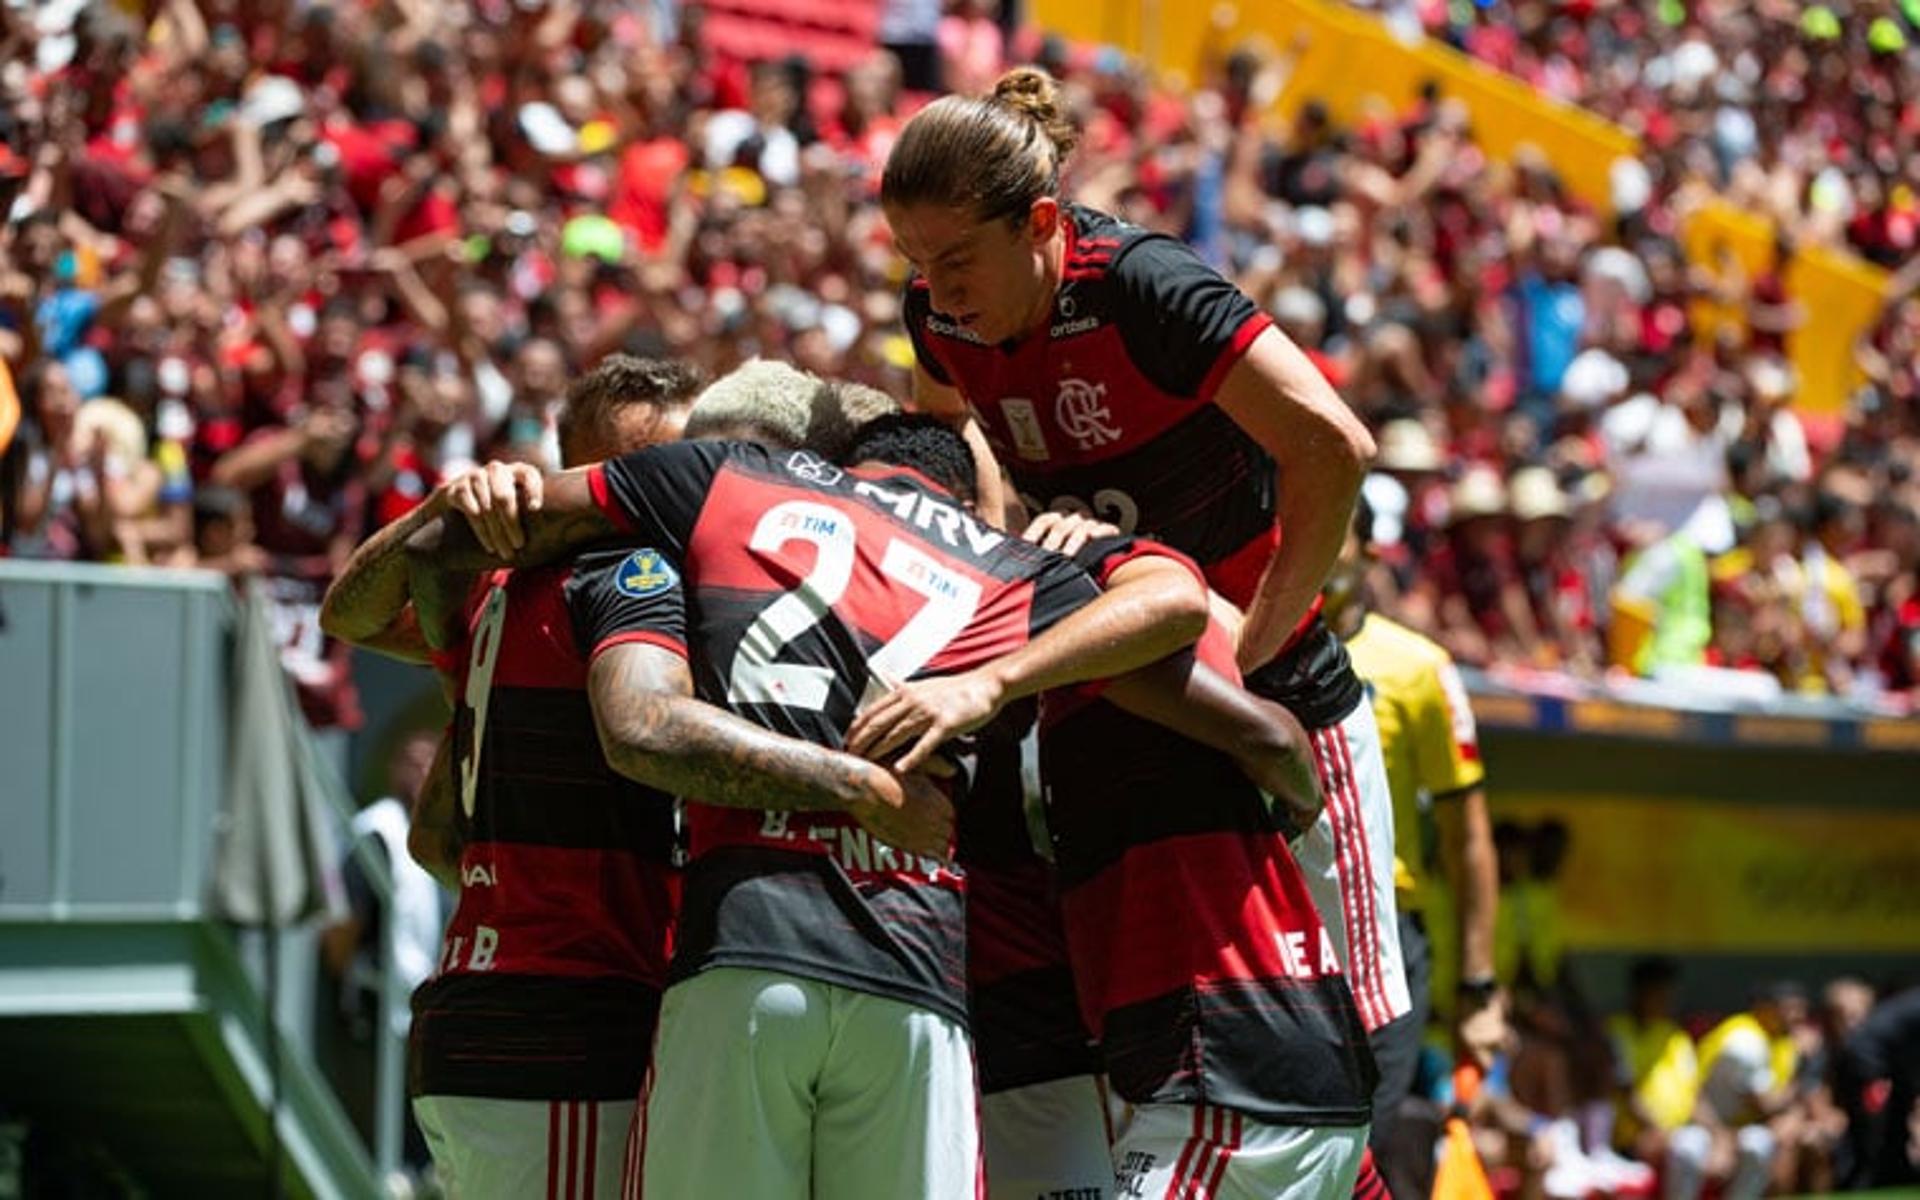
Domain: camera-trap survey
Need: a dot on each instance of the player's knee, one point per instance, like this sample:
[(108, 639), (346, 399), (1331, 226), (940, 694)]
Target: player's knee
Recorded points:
[(1690, 1145)]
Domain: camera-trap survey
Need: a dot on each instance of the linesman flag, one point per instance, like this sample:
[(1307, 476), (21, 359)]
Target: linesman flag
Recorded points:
[(1460, 1175)]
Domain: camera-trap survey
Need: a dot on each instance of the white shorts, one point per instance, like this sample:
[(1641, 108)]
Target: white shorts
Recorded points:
[(1047, 1139), (768, 1085), (1347, 858), (525, 1149), (1196, 1152)]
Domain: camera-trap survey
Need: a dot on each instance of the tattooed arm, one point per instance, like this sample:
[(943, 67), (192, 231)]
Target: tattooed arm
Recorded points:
[(368, 604), (443, 548), (653, 731)]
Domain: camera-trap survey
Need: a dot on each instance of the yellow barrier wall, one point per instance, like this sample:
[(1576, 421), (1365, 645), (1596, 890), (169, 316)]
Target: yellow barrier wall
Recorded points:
[(1677, 875), (1350, 62)]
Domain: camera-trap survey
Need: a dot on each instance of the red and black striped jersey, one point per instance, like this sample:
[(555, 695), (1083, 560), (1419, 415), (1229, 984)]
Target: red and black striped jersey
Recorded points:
[(553, 961), (1027, 1026), (1109, 411), (808, 588), (1202, 964)]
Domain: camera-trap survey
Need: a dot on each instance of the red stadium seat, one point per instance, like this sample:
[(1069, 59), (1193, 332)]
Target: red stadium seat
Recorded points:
[(832, 35)]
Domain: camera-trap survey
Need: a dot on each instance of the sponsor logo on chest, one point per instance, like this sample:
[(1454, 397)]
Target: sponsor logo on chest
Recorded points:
[(1070, 322)]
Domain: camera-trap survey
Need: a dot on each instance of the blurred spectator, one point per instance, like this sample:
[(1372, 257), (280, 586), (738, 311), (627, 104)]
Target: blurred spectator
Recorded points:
[(354, 950), (1877, 1081), (1662, 614), (1658, 1071), (1747, 1068), (1798, 112)]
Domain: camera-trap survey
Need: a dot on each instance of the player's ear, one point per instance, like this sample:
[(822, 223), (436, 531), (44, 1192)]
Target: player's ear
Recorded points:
[(1043, 218)]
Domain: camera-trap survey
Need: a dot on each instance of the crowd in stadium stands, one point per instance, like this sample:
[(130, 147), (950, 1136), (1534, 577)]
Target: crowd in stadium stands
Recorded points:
[(1798, 111), (271, 271)]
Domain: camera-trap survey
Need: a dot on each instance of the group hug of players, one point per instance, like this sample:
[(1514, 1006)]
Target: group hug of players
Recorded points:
[(824, 826)]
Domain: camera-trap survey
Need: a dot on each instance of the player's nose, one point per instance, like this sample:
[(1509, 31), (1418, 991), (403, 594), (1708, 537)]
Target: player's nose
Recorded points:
[(947, 298)]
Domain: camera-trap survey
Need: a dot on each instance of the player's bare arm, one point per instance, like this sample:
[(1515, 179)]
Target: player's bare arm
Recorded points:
[(369, 604), (1280, 398), (652, 730), (433, 839), (1472, 867), (1264, 739), (1151, 608)]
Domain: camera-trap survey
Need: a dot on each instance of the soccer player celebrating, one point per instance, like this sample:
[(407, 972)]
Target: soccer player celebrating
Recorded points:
[(1201, 961), (1114, 373), (530, 1043), (817, 993)]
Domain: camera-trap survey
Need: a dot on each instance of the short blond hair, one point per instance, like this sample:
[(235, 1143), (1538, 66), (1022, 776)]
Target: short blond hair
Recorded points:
[(843, 408), (761, 400), (773, 402)]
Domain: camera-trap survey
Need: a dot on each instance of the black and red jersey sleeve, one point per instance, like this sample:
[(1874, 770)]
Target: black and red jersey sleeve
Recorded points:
[(654, 495), (1183, 323), (629, 594), (1102, 556), (916, 307), (1060, 588)]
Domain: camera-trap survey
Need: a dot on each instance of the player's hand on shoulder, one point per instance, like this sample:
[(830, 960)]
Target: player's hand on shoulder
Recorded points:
[(926, 712), (492, 498), (1066, 533), (920, 824)]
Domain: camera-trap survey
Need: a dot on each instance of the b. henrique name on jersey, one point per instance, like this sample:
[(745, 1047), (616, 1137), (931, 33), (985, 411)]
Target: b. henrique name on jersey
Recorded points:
[(808, 585), (552, 965), (1201, 961)]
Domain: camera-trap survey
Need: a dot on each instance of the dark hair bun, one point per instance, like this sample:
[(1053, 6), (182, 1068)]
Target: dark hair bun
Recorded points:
[(1034, 94)]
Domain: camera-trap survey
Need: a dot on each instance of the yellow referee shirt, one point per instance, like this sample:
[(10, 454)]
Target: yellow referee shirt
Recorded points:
[(1426, 727), (1432, 748)]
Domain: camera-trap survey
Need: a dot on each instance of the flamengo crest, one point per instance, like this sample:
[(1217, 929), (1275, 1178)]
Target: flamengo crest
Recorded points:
[(1081, 409)]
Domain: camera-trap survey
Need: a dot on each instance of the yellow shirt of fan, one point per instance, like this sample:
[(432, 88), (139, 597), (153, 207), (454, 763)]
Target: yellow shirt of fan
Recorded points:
[(1658, 1065)]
